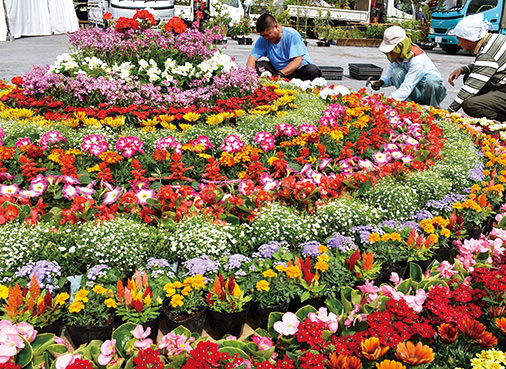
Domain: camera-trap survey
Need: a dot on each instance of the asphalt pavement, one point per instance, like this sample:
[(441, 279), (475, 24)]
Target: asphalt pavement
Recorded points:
[(18, 56)]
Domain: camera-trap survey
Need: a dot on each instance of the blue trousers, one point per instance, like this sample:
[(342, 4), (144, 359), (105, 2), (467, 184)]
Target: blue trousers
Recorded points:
[(429, 91)]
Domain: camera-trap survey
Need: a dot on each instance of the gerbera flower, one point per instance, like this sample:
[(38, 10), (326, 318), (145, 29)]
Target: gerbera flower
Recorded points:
[(448, 332), (372, 350), (414, 355), (501, 324), (390, 364)]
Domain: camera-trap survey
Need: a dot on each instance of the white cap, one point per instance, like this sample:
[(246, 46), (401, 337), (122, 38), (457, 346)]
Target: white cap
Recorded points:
[(392, 36)]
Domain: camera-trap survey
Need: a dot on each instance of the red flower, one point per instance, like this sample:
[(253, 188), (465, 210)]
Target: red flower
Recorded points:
[(124, 24), (176, 25), (148, 359), (107, 16), (18, 81), (146, 18)]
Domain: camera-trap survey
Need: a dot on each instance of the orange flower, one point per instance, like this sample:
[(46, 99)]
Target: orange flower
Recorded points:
[(501, 324), (487, 340), (413, 355), (367, 261), (372, 350), (448, 332), (390, 364), (343, 362), (473, 329)]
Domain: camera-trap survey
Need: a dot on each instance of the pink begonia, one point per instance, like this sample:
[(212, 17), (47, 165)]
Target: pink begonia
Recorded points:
[(370, 289), (231, 144), (285, 129), (330, 319), (27, 331), (95, 144), (288, 325), (51, 137), (245, 184), (174, 344), (10, 341), (23, 142), (263, 343), (63, 361), (395, 279), (446, 269), (353, 317), (61, 341), (265, 140), (107, 351), (142, 336), (129, 146), (415, 302)]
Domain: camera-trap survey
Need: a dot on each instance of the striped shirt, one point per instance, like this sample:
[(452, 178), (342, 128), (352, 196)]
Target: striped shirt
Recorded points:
[(489, 66)]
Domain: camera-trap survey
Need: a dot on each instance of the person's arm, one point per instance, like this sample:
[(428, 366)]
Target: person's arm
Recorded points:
[(457, 72), (291, 67), (483, 68), (414, 75), (387, 78), (251, 62)]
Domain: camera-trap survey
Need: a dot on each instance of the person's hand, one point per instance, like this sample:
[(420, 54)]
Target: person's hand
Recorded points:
[(455, 74), (281, 74), (376, 85)]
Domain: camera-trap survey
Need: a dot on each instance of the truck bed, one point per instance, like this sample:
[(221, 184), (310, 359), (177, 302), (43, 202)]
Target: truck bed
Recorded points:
[(336, 14)]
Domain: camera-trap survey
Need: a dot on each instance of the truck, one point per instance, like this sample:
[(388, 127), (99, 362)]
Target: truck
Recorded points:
[(186, 9), (448, 13), (363, 11), (161, 9)]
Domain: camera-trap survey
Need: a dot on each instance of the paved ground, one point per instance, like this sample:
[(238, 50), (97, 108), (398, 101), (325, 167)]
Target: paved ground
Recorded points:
[(17, 57)]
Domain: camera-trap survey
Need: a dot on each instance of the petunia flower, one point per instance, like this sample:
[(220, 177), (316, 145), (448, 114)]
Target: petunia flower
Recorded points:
[(144, 195)]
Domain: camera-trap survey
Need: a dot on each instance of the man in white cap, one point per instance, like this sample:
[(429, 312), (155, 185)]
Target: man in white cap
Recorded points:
[(411, 71), (484, 91)]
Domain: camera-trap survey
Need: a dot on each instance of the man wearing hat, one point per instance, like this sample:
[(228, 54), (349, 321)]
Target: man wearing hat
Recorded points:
[(411, 71), (484, 91)]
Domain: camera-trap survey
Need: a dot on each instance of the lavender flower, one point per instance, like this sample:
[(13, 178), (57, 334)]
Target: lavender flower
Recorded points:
[(410, 224), (235, 261), (267, 250), (342, 243), (390, 224), (154, 263), (476, 174), (97, 271), (201, 265), (46, 273), (423, 214), (310, 249)]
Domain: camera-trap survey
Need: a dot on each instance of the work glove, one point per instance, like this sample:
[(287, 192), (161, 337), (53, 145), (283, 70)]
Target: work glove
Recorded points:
[(376, 85)]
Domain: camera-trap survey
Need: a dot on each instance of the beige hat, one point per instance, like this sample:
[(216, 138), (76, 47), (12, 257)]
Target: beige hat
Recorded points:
[(392, 36)]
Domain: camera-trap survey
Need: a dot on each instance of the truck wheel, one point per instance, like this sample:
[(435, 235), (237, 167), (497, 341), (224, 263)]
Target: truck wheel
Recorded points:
[(450, 49)]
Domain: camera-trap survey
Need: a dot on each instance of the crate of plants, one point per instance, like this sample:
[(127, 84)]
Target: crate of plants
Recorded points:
[(364, 71), (332, 73)]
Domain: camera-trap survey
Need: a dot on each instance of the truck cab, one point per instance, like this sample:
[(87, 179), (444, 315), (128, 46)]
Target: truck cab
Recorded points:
[(449, 12)]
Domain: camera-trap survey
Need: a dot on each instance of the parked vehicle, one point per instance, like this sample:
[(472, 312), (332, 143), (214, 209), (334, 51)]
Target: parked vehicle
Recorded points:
[(161, 9), (186, 9), (449, 12)]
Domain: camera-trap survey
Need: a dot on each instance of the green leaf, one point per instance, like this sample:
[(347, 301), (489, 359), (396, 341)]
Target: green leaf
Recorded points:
[(305, 296), (180, 330), (57, 349), (415, 272), (117, 364), (304, 311), (334, 306), (85, 179), (176, 362), (234, 351), (262, 355), (231, 343), (42, 342), (232, 219), (273, 318), (18, 179), (25, 355), (404, 286), (129, 364), (122, 335)]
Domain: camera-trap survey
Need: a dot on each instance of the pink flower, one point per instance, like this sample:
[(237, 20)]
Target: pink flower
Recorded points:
[(144, 195), (9, 189), (110, 197), (141, 334), (94, 144), (69, 191), (263, 343), (51, 137), (416, 302), (61, 341), (129, 146), (27, 331), (285, 129), (394, 278), (330, 319), (265, 140), (288, 326), (63, 361), (10, 341), (308, 128), (107, 351), (446, 269), (382, 157), (231, 144), (268, 183), (175, 344), (370, 289), (23, 142)]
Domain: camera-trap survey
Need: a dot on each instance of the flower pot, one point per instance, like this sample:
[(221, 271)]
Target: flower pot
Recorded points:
[(259, 317), (385, 274), (194, 322), (87, 333), (153, 324), (443, 254), (248, 41), (222, 323), (323, 43), (55, 328), (296, 304)]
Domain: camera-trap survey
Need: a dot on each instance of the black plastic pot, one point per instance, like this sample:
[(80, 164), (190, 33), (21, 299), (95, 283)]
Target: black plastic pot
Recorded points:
[(443, 254), (221, 323), (87, 333), (153, 324), (296, 304), (259, 317), (55, 328), (194, 323), (385, 274)]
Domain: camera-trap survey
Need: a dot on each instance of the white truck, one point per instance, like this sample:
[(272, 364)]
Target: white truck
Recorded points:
[(161, 9), (186, 9)]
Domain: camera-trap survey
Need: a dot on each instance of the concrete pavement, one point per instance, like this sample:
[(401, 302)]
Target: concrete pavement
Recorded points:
[(17, 57)]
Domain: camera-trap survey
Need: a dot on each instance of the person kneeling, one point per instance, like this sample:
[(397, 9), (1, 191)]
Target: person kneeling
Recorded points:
[(411, 71), (283, 46)]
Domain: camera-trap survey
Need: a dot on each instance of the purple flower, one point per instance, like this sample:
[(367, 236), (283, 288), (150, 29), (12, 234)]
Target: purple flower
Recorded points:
[(476, 174), (235, 261), (97, 271), (310, 249), (267, 250), (201, 265), (342, 243)]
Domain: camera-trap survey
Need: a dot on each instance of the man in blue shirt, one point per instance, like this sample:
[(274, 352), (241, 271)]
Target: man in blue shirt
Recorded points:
[(283, 46), (411, 71)]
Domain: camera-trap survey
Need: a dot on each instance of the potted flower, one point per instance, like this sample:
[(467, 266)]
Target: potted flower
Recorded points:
[(228, 307), (137, 304), (90, 315), (34, 306), (185, 304), (239, 30)]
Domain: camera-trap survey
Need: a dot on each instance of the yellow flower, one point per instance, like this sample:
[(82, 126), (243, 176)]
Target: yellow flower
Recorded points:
[(110, 303), (263, 285), (323, 257), (176, 300), (280, 268), (170, 291), (185, 291), (61, 298), (322, 249), (185, 127), (239, 112), (74, 152), (147, 300), (191, 116), (4, 292), (269, 273), (214, 120), (177, 284), (272, 159), (148, 129), (321, 266), (82, 295), (445, 232), (100, 289), (198, 282), (76, 306), (95, 168), (374, 237), (293, 271), (281, 114)]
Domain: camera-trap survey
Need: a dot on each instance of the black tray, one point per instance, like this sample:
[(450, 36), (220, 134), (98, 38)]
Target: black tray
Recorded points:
[(364, 71), (332, 73)]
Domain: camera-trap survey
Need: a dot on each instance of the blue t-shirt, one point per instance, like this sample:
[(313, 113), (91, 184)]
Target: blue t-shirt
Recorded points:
[(290, 46)]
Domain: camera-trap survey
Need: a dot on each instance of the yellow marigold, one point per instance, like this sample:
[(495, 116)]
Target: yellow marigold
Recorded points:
[(177, 284), (227, 159), (321, 265), (4, 292), (61, 298), (185, 291), (445, 232), (76, 306), (191, 116), (432, 239), (374, 237), (293, 271), (82, 295), (176, 300), (272, 159), (198, 282), (323, 257), (280, 268), (269, 273), (263, 285), (214, 120), (110, 157), (95, 168), (322, 249), (475, 188), (110, 303), (205, 156), (100, 289)]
